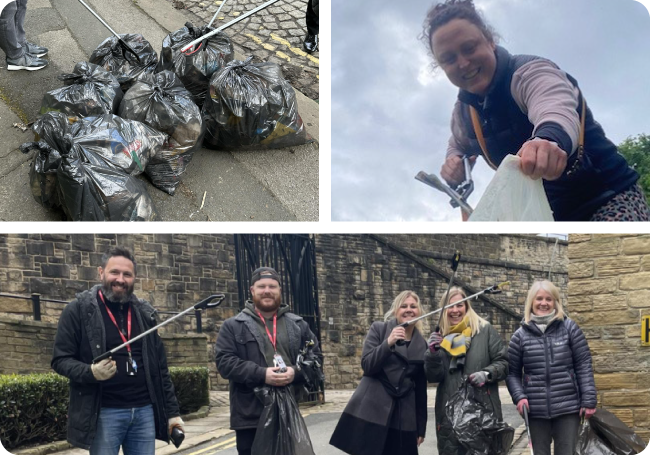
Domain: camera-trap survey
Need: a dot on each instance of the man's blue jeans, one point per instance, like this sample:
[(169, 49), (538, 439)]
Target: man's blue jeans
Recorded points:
[(133, 429)]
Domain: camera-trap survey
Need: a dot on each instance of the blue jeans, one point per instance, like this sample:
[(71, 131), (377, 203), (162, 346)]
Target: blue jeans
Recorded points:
[(134, 429), (12, 31)]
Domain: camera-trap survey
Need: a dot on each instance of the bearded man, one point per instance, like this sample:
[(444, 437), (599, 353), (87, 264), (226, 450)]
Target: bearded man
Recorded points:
[(125, 401), (259, 346)]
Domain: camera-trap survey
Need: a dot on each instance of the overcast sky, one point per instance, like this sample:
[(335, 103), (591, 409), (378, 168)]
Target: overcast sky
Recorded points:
[(391, 112)]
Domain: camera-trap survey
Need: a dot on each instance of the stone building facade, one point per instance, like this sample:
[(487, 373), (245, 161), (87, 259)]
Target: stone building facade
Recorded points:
[(358, 276), (609, 292)]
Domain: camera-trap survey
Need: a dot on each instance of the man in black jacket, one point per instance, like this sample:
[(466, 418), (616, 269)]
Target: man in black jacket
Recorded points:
[(259, 346), (127, 400)]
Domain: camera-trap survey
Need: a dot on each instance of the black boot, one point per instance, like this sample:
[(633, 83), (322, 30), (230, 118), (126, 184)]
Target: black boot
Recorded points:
[(311, 43)]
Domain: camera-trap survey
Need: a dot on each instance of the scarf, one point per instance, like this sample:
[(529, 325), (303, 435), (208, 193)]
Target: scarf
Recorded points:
[(457, 342), (542, 321)]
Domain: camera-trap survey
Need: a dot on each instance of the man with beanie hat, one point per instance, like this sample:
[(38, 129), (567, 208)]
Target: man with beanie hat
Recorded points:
[(259, 346)]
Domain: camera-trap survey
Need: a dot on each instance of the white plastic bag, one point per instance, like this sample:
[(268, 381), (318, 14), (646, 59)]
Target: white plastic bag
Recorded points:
[(512, 196)]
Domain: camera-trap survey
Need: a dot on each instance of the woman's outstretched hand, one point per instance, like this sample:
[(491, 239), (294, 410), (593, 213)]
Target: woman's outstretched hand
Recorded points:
[(542, 159), (453, 169)]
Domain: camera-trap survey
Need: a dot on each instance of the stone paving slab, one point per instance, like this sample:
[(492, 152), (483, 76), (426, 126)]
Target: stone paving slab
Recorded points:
[(274, 34)]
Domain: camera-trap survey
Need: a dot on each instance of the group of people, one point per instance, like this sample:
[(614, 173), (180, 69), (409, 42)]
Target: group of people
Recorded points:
[(128, 401), (547, 368)]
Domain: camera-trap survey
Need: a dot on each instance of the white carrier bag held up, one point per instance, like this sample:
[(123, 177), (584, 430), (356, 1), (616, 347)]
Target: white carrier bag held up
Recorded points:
[(513, 196)]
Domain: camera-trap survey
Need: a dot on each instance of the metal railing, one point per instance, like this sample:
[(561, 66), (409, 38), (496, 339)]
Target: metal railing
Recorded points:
[(37, 299)]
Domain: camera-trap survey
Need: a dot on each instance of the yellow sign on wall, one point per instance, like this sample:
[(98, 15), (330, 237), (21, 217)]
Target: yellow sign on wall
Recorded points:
[(645, 330)]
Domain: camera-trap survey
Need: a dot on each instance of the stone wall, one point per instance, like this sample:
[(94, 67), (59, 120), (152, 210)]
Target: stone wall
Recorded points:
[(26, 347), (609, 291), (359, 276)]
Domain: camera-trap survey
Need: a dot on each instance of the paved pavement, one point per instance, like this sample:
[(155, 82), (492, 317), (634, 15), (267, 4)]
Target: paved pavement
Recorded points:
[(214, 427), (276, 185), (274, 34)]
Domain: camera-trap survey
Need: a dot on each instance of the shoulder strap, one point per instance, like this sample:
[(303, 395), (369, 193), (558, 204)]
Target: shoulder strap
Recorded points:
[(479, 135)]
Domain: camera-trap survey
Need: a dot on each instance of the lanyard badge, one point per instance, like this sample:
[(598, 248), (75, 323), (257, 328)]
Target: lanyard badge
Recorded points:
[(278, 361), (131, 366)]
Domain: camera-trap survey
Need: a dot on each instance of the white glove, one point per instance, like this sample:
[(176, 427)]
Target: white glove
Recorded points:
[(175, 422), (104, 370)]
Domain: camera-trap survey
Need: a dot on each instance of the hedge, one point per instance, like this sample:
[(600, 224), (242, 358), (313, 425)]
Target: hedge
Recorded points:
[(34, 407)]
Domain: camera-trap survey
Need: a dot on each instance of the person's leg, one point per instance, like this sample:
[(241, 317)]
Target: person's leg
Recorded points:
[(540, 434), (310, 43), (312, 19), (630, 205), (565, 433), (21, 12), (8, 39), (112, 426), (140, 438), (245, 440)]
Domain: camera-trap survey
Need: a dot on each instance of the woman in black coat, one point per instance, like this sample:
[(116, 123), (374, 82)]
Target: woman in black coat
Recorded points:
[(550, 372), (387, 413)]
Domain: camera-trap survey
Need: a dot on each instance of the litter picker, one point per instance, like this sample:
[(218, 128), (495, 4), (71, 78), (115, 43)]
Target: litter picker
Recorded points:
[(460, 194), (494, 289), (119, 40), (454, 266), (530, 441), (217, 13), (202, 305), (225, 26)]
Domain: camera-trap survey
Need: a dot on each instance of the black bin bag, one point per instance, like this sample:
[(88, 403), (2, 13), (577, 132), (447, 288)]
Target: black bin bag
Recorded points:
[(122, 63), (196, 66), (96, 159), (281, 429), (89, 90), (42, 173), (93, 189), (475, 426), (605, 434), (251, 106), (161, 102)]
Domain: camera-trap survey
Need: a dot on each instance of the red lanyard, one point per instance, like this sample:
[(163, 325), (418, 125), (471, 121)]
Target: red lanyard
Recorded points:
[(128, 323), (268, 332)]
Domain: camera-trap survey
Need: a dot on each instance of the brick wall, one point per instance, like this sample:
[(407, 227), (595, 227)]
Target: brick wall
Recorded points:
[(609, 291)]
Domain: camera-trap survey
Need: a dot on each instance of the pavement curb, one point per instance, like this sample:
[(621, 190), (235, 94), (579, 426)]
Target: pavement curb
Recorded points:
[(57, 446)]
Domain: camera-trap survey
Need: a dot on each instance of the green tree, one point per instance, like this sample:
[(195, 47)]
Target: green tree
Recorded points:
[(636, 151)]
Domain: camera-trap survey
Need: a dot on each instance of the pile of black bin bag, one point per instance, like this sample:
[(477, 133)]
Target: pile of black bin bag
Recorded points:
[(119, 115)]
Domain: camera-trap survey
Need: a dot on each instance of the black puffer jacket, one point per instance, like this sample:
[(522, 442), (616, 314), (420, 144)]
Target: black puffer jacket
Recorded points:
[(557, 376)]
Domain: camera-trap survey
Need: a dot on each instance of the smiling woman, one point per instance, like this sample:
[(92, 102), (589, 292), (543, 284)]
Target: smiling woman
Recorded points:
[(466, 345), (527, 106)]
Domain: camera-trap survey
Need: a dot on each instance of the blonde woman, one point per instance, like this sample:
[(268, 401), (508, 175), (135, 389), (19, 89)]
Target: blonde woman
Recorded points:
[(550, 371), (387, 414), (467, 345)]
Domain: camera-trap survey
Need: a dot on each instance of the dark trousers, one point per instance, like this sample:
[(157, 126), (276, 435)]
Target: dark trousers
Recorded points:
[(563, 430), (245, 440), (12, 31), (312, 19)]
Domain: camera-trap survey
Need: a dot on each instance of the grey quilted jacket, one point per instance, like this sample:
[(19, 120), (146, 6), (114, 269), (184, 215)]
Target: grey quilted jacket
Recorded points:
[(552, 369)]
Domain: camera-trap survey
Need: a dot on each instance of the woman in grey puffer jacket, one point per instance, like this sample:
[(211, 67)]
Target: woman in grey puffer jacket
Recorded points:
[(557, 384)]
